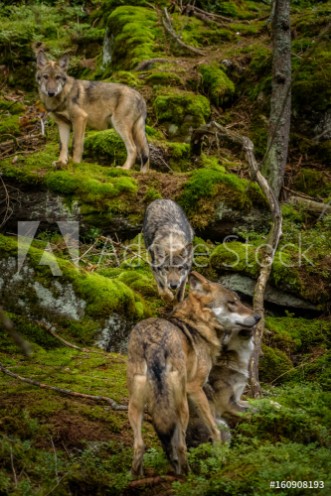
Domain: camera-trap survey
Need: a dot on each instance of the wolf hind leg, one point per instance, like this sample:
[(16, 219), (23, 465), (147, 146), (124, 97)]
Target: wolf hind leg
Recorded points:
[(139, 136), (124, 129), (135, 413)]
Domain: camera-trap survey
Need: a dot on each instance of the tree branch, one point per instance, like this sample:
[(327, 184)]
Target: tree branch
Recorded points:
[(170, 30), (272, 240)]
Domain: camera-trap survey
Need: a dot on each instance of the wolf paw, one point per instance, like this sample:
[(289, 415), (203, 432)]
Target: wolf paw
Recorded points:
[(59, 164)]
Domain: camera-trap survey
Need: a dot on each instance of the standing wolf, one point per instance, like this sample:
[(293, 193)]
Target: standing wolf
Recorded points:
[(169, 362), (168, 237), (77, 104)]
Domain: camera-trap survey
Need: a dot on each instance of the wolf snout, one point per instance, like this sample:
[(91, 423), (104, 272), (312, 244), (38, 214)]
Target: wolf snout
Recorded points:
[(51, 93), (173, 285), (257, 318)]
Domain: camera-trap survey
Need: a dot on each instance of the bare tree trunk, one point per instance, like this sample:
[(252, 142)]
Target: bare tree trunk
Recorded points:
[(280, 105)]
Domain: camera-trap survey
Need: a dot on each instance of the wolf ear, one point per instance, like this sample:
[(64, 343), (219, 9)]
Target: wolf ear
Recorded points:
[(64, 62), (41, 59), (197, 282)]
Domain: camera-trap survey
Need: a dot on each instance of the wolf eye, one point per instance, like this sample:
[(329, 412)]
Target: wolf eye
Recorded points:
[(45, 76)]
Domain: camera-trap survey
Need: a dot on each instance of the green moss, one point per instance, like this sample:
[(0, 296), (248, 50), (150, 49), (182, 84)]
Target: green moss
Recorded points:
[(9, 126), (105, 147), (125, 77), (164, 79), (211, 191), (11, 107), (182, 108), (300, 265), (92, 184), (31, 169), (87, 295), (274, 365), (217, 85), (137, 35)]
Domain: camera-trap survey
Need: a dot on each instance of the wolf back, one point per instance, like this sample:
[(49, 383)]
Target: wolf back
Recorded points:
[(168, 237)]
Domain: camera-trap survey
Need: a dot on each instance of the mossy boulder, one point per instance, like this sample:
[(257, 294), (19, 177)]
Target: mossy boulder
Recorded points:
[(216, 84), (105, 147), (181, 108), (300, 264), (53, 290), (159, 78), (212, 196), (135, 35)]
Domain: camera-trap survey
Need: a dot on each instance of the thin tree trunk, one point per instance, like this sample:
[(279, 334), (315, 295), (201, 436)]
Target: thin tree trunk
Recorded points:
[(280, 105)]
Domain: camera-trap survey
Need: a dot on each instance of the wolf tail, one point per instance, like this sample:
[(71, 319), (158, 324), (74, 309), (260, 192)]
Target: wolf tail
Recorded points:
[(139, 137), (168, 402)]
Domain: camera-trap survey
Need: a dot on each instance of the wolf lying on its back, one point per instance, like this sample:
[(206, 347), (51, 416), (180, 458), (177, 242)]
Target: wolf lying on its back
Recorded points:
[(168, 237), (77, 104), (169, 362)]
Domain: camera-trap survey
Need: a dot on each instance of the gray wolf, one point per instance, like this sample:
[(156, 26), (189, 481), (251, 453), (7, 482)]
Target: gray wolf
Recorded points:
[(229, 375), (78, 104), (168, 364), (168, 237)]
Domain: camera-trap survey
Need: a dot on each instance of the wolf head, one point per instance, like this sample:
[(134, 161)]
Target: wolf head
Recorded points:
[(224, 304), (171, 262), (51, 76)]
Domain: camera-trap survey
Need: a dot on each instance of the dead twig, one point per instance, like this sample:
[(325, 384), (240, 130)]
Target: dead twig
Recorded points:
[(153, 481), (49, 328), (272, 239), (170, 30), (67, 392)]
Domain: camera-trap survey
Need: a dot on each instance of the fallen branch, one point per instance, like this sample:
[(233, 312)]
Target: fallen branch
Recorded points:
[(312, 206), (270, 245), (49, 328), (67, 392), (207, 17), (170, 30), (153, 481)]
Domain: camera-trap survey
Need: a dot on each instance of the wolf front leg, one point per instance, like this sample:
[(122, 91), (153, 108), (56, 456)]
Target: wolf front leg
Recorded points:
[(79, 125), (198, 397), (64, 133)]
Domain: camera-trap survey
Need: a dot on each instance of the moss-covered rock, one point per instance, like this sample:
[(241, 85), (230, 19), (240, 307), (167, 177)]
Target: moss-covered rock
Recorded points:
[(216, 84), (164, 79), (300, 265), (182, 108), (52, 289), (212, 194), (135, 34), (105, 147)]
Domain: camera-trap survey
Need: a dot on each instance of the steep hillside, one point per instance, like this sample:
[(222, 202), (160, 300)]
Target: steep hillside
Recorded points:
[(77, 277)]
